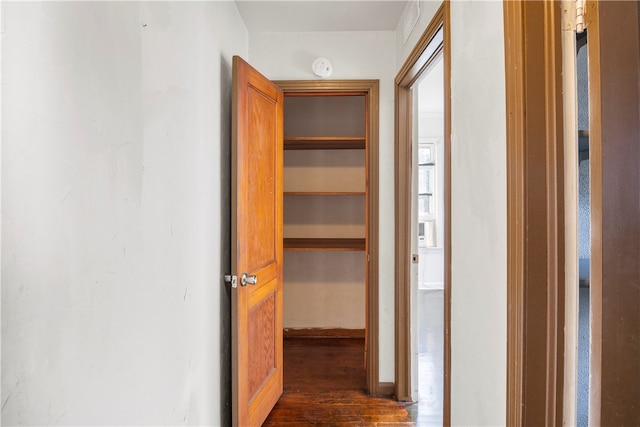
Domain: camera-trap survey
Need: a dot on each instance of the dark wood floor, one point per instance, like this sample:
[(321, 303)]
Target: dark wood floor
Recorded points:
[(324, 379), (324, 382)]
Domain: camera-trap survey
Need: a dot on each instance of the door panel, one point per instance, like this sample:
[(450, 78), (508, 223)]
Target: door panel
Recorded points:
[(614, 130), (256, 244)]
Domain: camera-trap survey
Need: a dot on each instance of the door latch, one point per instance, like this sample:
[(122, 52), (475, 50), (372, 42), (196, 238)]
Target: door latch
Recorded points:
[(233, 279)]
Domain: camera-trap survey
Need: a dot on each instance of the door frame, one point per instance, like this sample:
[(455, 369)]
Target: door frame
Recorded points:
[(535, 213), (370, 89), (414, 67)]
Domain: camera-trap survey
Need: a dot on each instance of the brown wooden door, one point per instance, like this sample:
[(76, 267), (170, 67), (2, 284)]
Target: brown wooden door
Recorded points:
[(256, 309), (614, 130)]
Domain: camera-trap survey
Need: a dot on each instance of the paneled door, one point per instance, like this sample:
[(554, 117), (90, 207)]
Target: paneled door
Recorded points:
[(256, 260)]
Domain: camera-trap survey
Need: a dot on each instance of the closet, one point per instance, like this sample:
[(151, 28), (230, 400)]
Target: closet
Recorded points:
[(330, 224)]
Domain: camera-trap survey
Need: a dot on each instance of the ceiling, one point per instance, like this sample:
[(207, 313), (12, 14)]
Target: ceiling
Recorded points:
[(325, 15)]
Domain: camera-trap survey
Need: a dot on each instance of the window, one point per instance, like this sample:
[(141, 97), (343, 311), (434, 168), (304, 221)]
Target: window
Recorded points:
[(427, 193)]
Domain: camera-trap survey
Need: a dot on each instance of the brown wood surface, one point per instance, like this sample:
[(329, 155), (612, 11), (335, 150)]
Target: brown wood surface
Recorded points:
[(323, 333), (325, 386), (614, 106), (535, 199), (257, 156), (324, 193), (325, 143), (324, 244)]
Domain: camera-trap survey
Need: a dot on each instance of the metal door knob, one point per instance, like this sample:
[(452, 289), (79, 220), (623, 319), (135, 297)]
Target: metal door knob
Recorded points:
[(245, 279)]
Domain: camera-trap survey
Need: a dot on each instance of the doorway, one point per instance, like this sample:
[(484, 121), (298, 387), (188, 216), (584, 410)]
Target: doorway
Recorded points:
[(428, 243), (331, 221), (423, 164)]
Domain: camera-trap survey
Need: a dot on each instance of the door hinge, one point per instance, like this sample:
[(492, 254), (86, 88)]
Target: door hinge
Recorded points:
[(233, 279), (574, 15), (580, 16)]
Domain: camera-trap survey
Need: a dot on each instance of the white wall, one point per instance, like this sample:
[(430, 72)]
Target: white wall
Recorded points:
[(479, 214), (355, 55), (478, 211), (427, 8), (115, 223)]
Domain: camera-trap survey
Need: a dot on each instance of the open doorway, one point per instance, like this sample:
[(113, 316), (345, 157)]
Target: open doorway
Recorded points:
[(428, 243), (330, 230), (423, 230)]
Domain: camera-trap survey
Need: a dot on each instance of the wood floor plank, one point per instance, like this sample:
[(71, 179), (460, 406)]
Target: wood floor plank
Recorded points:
[(324, 385)]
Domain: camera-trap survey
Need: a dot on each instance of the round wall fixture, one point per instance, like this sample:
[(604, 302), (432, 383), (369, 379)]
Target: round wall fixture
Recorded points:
[(322, 67)]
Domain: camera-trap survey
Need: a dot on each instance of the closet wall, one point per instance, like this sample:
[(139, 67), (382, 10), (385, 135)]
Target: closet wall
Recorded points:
[(325, 211)]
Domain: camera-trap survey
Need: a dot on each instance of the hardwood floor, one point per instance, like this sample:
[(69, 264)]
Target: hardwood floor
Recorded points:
[(428, 409), (324, 382), (324, 379)]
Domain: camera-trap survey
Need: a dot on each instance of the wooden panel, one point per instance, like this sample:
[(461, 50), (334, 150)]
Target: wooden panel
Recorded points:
[(262, 337), (256, 244), (260, 217), (614, 58)]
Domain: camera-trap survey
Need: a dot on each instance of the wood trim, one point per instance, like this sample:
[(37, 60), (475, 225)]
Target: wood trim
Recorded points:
[(446, 414), (535, 217), (371, 89), (416, 64), (386, 389), (572, 156), (323, 333), (514, 76), (373, 251), (403, 167), (595, 189), (325, 193), (327, 87)]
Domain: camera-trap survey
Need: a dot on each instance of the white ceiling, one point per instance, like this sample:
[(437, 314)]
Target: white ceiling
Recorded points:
[(325, 15)]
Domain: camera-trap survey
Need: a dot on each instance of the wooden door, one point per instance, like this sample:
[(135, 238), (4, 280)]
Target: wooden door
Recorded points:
[(614, 145), (256, 309)]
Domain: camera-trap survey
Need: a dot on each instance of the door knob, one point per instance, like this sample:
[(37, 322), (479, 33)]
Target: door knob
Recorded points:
[(245, 279)]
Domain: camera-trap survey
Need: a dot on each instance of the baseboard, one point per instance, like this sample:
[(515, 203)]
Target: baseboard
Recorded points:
[(386, 389), (323, 333)]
